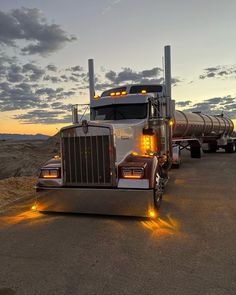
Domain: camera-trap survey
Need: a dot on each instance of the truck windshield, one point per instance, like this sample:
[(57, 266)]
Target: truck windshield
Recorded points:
[(120, 112)]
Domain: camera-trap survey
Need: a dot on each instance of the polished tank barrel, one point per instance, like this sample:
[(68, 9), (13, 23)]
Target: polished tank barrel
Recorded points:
[(200, 125)]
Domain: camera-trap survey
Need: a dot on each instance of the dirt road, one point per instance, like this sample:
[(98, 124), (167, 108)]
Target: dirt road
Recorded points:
[(189, 249)]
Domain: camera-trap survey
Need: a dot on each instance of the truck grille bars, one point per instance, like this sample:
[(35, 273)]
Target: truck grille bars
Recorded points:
[(88, 159)]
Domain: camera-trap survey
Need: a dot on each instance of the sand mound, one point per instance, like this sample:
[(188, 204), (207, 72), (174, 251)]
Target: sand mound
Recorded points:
[(24, 158), (15, 188)]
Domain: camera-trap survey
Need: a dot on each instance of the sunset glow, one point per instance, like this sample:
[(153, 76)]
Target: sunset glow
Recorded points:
[(43, 74)]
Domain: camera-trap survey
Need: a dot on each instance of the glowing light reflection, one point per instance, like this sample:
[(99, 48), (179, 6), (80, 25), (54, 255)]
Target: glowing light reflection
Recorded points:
[(161, 226), (25, 216)]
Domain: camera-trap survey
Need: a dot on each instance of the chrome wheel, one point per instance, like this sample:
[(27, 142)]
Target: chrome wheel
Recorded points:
[(158, 191)]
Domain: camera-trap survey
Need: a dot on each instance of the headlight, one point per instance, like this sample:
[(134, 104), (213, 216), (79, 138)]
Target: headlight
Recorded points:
[(50, 173), (132, 172)]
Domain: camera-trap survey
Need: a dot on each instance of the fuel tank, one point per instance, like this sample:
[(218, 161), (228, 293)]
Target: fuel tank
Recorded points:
[(200, 125)]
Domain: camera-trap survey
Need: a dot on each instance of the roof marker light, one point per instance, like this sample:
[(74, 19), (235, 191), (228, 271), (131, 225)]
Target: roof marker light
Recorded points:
[(118, 93), (143, 91), (123, 93), (112, 93)]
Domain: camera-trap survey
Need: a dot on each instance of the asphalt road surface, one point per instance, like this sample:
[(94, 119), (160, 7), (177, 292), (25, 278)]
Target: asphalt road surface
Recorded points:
[(189, 249)]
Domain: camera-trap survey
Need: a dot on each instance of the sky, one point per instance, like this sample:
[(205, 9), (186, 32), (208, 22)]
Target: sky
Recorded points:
[(45, 45)]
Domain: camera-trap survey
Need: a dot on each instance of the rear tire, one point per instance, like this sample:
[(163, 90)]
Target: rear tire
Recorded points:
[(195, 152), (175, 166), (230, 147), (212, 148)]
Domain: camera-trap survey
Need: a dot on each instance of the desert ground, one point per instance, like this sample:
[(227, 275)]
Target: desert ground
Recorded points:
[(188, 249), (23, 158), (19, 166)]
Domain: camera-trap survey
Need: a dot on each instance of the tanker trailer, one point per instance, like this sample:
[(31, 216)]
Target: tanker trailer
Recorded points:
[(198, 131)]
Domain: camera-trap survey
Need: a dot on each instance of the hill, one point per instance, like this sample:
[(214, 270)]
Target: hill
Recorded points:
[(8, 136), (25, 157)]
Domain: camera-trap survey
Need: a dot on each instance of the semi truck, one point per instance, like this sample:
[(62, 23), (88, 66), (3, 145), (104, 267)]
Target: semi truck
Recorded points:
[(117, 162)]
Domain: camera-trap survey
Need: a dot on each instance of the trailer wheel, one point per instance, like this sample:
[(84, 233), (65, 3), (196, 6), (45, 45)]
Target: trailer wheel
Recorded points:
[(158, 191), (230, 147), (195, 151), (212, 149)]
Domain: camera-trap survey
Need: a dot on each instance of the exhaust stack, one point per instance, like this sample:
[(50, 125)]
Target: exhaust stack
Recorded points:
[(75, 114), (91, 79), (167, 55)]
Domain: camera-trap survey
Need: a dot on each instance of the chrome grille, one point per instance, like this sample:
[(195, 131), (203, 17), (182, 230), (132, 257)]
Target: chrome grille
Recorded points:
[(87, 160)]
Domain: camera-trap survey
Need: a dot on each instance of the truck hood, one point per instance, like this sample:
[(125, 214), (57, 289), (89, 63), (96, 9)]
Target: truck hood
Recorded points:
[(127, 136)]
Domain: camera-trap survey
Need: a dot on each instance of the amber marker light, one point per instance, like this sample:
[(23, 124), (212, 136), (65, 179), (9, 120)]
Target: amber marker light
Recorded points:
[(112, 94), (147, 144), (152, 213), (143, 91), (123, 93), (132, 173), (34, 207), (133, 176), (49, 176), (49, 173), (57, 157), (118, 93), (171, 123), (96, 96)]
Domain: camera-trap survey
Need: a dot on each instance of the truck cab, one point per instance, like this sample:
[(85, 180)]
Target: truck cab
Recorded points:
[(116, 162), (119, 152)]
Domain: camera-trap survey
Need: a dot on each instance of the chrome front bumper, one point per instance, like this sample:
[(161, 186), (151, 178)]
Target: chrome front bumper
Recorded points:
[(127, 202)]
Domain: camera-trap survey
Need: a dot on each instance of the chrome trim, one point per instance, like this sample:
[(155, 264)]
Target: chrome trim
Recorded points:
[(133, 183), (127, 202), (88, 159)]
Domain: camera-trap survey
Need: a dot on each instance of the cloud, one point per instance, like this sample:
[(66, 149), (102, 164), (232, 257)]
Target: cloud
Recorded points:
[(219, 72), (61, 106), (75, 69), (26, 24), (16, 97), (53, 79), (73, 79), (129, 75), (109, 6), (183, 103), (43, 117), (13, 71), (14, 74), (47, 117), (33, 72), (52, 68), (215, 105), (23, 96), (28, 87)]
